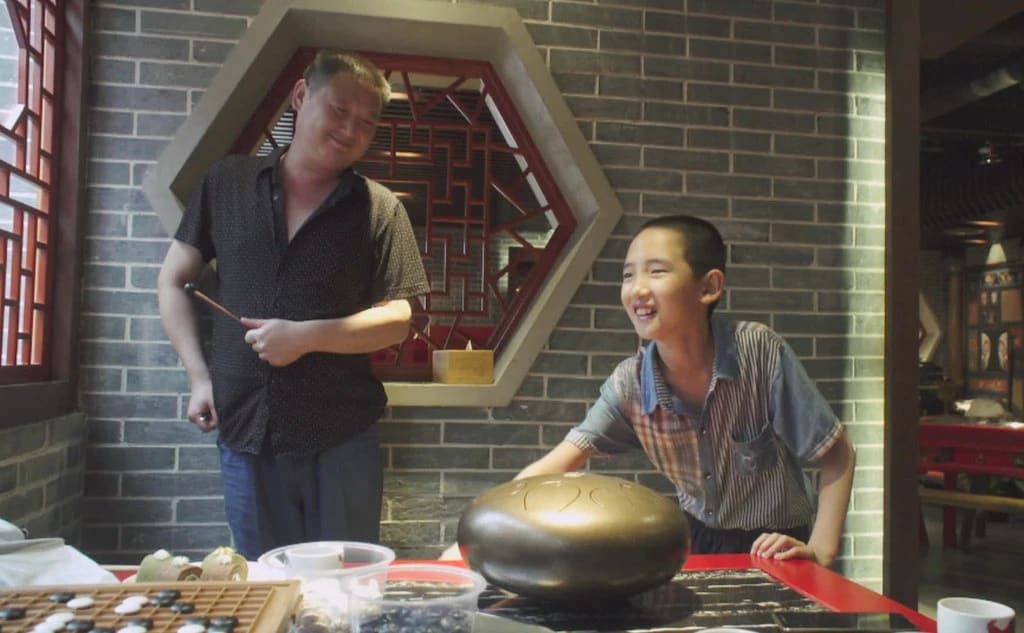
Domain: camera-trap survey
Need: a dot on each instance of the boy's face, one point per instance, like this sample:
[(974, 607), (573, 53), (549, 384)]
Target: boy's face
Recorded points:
[(659, 291)]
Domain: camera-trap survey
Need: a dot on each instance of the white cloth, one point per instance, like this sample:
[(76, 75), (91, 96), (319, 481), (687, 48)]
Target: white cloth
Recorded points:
[(44, 561)]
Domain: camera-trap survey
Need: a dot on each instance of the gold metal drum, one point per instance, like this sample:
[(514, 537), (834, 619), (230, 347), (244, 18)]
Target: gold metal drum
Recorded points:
[(574, 536)]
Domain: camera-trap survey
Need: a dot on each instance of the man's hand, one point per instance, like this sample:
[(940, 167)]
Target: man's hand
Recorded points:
[(276, 341), (201, 411), (783, 547)]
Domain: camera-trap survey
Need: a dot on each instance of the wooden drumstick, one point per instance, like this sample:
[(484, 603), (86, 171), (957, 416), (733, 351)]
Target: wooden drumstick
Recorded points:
[(190, 288)]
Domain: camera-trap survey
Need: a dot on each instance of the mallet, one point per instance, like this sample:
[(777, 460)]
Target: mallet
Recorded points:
[(190, 288)]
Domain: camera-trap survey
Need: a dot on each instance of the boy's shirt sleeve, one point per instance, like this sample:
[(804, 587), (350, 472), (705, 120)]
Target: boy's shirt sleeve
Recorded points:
[(800, 414), (606, 428)]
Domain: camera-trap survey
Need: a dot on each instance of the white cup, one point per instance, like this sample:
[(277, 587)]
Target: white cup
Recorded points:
[(314, 557), (973, 615)]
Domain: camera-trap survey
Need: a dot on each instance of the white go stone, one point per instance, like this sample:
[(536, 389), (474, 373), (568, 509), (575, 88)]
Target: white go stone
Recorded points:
[(137, 599), (127, 608), (60, 617), (132, 628), (48, 627), (83, 602), (191, 628)]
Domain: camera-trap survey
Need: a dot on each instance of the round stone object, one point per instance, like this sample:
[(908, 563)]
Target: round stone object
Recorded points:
[(574, 537)]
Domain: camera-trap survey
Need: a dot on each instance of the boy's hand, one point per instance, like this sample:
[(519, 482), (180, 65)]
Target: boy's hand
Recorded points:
[(783, 547)]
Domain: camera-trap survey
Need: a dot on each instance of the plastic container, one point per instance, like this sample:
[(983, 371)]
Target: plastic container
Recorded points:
[(309, 559), (414, 597)]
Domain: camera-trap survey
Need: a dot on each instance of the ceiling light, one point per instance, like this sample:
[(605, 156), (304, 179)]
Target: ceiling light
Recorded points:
[(987, 155), (987, 223), (964, 231)]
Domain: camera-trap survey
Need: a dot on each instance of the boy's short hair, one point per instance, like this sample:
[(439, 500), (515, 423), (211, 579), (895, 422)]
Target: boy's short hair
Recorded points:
[(329, 63), (703, 247)]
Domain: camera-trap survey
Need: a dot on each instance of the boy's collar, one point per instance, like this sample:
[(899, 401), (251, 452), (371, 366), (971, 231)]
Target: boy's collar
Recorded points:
[(725, 367)]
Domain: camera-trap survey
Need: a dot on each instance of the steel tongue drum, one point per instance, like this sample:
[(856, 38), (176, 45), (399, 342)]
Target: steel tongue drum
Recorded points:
[(574, 537)]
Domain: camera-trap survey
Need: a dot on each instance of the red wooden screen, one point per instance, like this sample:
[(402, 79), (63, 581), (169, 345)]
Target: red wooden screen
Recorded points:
[(488, 215), (29, 127)]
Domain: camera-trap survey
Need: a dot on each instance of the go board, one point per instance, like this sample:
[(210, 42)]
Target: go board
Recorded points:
[(166, 607)]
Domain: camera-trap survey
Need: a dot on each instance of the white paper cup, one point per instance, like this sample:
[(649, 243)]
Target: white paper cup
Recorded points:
[(973, 615), (314, 557)]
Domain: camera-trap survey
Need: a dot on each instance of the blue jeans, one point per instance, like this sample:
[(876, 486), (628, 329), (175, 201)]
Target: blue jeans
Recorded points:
[(333, 495)]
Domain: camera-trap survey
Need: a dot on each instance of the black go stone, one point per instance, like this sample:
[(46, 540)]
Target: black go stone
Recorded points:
[(63, 596), (157, 601), (81, 626), (173, 594), (102, 629), (12, 613), (213, 628), (183, 607), (225, 621), (200, 620), (146, 623)]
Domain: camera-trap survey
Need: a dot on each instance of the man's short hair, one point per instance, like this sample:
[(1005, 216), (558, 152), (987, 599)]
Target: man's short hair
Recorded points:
[(703, 247), (329, 63)]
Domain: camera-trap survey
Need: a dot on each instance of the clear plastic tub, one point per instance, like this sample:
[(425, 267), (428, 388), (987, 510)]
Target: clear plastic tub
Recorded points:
[(352, 556), (413, 597)]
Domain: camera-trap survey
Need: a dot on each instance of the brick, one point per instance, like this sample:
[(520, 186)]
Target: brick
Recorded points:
[(604, 108), (574, 388), (104, 276), (108, 122), (199, 458), (540, 411), (810, 189), (779, 210), (686, 114), (645, 179), (531, 387), (171, 381), (870, 193), (439, 457), (643, 43), (235, 7), (817, 58), (827, 235), (565, 36), (747, 277), (615, 86), (200, 538), (773, 76), (106, 225), (773, 120), (167, 23), (612, 319), (595, 62), (775, 301), (812, 101), (8, 478), (22, 504), (761, 9), (851, 83), (728, 139), (528, 9), (122, 302), (120, 148), (103, 327), (660, 158), (855, 40), (200, 511), (619, 155), (139, 171), (773, 166), (112, 71), (661, 204), (140, 47), (773, 32), (850, 346), (576, 83), (683, 24), (787, 255), (863, 171), (134, 98), (731, 50), (96, 379), (730, 95), (108, 173), (111, 19), (818, 15), (129, 354), (438, 413), (816, 279), (39, 468), (590, 15), (736, 232), (727, 185), (162, 4), (868, 106), (701, 70), (206, 52), (491, 434), (464, 484), (560, 363), (182, 75), (643, 134), (21, 440), (177, 484), (392, 433), (109, 250), (115, 199), (127, 510), (800, 145)]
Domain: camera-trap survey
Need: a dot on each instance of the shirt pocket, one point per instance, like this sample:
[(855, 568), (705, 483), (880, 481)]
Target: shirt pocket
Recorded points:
[(752, 456)]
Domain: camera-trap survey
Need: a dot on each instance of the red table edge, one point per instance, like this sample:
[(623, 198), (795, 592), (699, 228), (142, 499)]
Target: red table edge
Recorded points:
[(818, 583)]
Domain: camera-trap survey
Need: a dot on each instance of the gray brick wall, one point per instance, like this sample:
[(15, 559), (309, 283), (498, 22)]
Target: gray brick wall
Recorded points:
[(42, 466), (764, 116)]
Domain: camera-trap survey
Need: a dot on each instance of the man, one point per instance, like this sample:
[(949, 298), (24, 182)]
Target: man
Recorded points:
[(321, 263), (723, 409)]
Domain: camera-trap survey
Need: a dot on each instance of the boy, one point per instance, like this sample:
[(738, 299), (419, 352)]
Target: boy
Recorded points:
[(724, 410)]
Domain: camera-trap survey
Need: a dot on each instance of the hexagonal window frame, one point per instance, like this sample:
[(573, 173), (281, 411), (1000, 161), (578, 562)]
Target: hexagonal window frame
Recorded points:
[(492, 34)]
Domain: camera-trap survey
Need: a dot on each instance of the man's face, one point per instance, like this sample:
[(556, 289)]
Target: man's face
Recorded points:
[(660, 293), (336, 121)]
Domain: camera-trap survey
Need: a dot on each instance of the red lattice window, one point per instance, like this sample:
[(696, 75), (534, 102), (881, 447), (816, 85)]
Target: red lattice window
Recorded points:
[(489, 219), (31, 43)]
